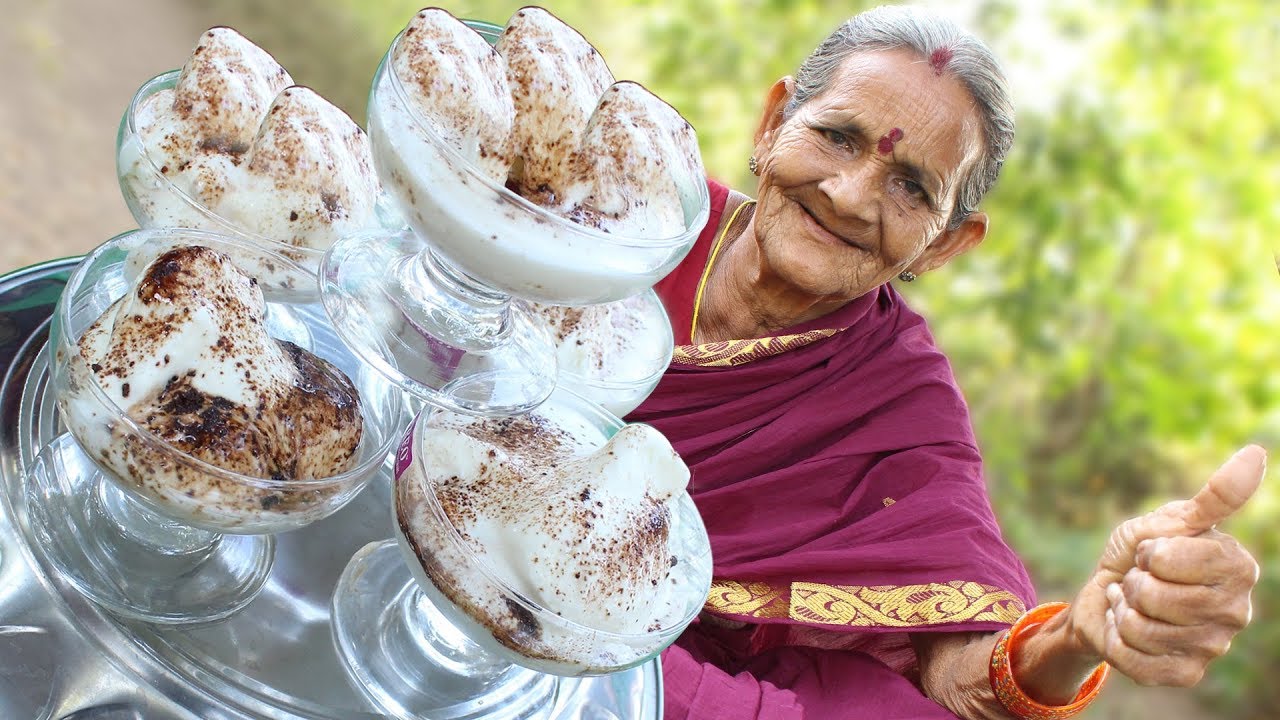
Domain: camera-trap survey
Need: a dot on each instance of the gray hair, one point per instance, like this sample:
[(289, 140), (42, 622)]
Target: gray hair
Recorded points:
[(971, 61)]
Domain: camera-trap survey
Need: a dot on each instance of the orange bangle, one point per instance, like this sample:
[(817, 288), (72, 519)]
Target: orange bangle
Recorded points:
[(1012, 697)]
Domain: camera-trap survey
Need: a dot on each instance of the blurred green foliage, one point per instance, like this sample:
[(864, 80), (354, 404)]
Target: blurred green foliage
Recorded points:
[(1114, 332)]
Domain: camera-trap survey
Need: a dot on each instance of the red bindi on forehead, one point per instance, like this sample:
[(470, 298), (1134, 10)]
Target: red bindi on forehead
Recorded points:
[(939, 59), (885, 146)]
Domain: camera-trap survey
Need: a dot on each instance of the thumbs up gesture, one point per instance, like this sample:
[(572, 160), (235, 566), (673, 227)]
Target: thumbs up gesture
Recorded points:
[(1171, 591)]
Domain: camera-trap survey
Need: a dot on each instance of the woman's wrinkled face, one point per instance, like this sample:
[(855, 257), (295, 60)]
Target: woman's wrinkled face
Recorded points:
[(857, 185)]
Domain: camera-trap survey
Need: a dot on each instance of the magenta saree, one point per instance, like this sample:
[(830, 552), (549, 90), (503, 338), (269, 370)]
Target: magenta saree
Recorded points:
[(840, 482)]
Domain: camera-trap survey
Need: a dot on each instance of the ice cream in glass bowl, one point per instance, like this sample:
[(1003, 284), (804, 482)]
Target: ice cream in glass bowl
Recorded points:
[(193, 434), (556, 544), (525, 172), (613, 353), (229, 144)]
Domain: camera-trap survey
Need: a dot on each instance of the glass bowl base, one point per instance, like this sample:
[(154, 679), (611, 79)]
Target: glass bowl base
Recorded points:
[(129, 560), (410, 662), (433, 332)]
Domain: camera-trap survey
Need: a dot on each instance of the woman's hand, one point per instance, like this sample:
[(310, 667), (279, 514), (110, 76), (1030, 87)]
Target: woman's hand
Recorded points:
[(1171, 591)]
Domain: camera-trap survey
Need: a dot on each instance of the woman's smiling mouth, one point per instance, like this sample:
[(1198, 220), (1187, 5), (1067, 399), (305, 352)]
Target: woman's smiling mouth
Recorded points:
[(824, 233)]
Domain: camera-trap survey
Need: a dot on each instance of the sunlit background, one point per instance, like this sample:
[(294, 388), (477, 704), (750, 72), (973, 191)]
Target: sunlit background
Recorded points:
[(1113, 334)]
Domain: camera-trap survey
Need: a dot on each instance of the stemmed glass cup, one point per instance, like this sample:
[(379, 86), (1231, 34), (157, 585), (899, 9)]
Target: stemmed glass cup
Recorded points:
[(427, 628), (440, 307), (141, 527)]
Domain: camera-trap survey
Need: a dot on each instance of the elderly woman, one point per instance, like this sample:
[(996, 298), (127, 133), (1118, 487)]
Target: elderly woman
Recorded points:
[(859, 571)]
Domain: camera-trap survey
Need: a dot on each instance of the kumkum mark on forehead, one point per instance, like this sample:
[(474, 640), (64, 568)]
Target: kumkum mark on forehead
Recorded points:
[(940, 58), (885, 146)]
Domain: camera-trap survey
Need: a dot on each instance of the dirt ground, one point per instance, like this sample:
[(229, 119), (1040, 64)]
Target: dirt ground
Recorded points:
[(70, 69)]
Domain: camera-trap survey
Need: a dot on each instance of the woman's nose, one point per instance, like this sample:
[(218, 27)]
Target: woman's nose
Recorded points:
[(854, 191)]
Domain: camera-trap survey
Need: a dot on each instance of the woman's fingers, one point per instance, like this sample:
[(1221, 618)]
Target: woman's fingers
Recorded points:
[(1155, 636), (1212, 558), (1186, 605), (1193, 581), (1147, 668), (1181, 605), (1161, 632)]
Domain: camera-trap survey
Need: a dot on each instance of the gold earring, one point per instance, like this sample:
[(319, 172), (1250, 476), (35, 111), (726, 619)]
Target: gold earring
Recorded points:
[(753, 165)]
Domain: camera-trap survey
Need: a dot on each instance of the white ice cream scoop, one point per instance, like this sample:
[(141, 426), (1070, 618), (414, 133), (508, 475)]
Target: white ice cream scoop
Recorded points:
[(458, 85), (577, 524), (556, 79), (186, 356), (221, 95), (308, 179), (637, 156)]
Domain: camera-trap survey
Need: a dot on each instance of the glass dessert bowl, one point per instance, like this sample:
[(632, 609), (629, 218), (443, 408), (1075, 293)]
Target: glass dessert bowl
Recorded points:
[(147, 527), (156, 200), (474, 250), (452, 620)]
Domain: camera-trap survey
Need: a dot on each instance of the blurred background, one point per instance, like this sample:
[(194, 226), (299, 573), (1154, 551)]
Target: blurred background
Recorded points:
[(1112, 334)]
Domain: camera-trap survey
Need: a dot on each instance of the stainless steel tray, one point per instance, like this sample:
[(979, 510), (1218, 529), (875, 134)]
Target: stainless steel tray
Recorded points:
[(63, 657)]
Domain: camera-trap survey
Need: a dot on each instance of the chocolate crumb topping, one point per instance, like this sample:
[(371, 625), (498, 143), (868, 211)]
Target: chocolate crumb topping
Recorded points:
[(526, 623), (298, 418)]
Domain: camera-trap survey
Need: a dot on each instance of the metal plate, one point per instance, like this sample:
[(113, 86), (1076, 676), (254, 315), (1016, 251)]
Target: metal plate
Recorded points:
[(63, 657)]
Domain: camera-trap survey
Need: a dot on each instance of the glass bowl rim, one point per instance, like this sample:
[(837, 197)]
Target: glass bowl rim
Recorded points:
[(702, 195), (64, 344)]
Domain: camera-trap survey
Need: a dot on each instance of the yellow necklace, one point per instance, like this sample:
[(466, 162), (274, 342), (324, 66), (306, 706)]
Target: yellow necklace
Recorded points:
[(706, 271)]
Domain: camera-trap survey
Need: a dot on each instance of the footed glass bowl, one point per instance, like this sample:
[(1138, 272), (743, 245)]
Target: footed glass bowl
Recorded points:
[(131, 518), (612, 354), (456, 283), (156, 201), (427, 627)]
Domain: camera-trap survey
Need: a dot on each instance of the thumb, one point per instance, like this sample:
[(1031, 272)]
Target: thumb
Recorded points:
[(1226, 492)]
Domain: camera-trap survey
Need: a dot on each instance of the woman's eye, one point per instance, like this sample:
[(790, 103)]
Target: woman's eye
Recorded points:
[(914, 189), (837, 138)]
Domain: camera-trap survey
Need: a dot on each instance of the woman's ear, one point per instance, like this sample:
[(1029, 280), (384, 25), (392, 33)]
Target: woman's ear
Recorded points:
[(951, 243), (775, 106)]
